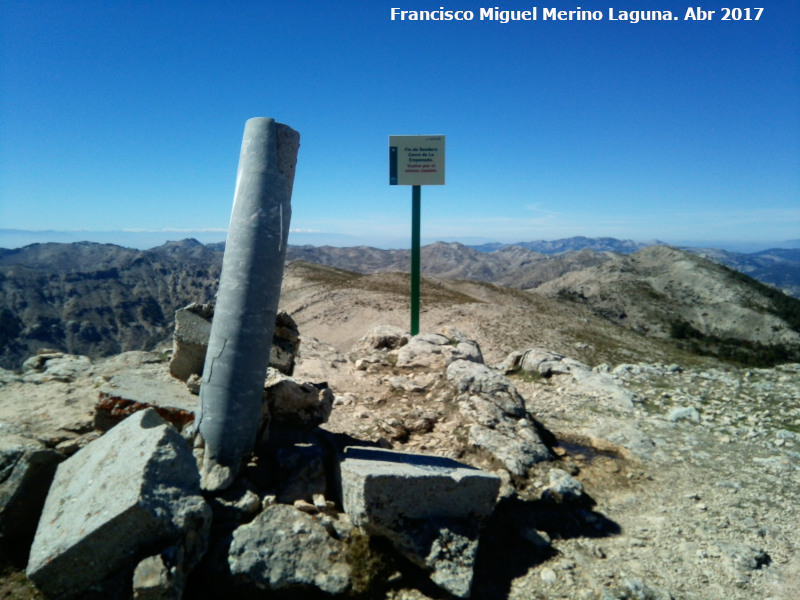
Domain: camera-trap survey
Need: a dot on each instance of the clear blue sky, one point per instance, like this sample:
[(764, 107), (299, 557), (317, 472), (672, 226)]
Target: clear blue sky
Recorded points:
[(129, 116)]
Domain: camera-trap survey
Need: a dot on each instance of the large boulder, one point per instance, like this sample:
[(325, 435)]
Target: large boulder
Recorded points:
[(501, 425), (476, 379), (436, 351), (286, 550), (111, 504)]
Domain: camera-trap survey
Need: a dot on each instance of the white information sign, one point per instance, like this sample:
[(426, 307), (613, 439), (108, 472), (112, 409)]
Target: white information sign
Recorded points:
[(416, 160)]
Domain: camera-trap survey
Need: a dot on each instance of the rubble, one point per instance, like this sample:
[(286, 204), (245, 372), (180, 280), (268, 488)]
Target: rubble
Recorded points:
[(659, 465)]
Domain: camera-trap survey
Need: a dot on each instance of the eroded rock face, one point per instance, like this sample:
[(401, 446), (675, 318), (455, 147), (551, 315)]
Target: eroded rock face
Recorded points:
[(133, 489), (284, 549)]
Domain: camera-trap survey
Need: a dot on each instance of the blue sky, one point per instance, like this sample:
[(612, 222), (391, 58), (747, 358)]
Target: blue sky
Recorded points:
[(128, 117)]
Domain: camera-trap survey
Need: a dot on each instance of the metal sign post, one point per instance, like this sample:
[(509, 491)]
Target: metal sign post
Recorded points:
[(416, 160), (415, 219)]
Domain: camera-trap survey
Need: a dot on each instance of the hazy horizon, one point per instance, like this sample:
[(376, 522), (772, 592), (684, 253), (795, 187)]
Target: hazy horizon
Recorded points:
[(143, 240)]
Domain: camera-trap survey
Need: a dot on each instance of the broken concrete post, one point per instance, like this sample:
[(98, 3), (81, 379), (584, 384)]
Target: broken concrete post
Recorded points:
[(247, 302)]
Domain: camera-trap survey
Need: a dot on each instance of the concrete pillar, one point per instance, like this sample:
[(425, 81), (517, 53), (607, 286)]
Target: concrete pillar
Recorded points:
[(249, 289)]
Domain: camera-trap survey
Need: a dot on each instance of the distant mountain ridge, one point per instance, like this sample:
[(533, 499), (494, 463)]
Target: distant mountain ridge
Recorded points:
[(100, 299), (779, 266), (601, 244)]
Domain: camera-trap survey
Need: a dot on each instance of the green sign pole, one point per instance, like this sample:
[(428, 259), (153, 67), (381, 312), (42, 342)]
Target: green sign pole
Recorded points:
[(415, 219), (416, 160)]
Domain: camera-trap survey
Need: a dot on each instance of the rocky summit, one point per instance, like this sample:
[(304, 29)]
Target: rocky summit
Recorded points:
[(523, 445), (629, 480)]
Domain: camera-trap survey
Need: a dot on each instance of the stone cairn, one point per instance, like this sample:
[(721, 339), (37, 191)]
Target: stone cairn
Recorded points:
[(246, 492), (127, 512)]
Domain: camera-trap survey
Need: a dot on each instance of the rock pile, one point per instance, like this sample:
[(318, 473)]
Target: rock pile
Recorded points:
[(648, 481), (125, 511)]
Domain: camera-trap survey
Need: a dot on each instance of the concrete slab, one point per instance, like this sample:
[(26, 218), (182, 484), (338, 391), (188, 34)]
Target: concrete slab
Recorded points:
[(382, 487)]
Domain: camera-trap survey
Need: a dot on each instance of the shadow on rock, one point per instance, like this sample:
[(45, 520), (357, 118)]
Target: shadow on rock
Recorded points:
[(518, 534)]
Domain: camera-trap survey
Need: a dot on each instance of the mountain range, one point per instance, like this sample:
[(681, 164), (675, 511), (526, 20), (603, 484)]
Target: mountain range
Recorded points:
[(101, 299)]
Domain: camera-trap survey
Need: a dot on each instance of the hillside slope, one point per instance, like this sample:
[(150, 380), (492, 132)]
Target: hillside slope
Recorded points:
[(98, 299), (669, 293)]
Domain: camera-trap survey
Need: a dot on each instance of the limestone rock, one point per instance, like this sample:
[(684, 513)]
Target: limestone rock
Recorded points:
[(381, 487), (125, 394), (151, 579), (517, 447), (444, 547), (285, 343), (190, 339), (55, 366), (563, 488), (135, 488), (476, 379), (544, 362), (284, 549), (7, 377), (157, 577), (382, 491), (684, 413), (500, 423), (435, 351), (597, 383), (26, 469), (382, 337), (740, 559), (296, 404)]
